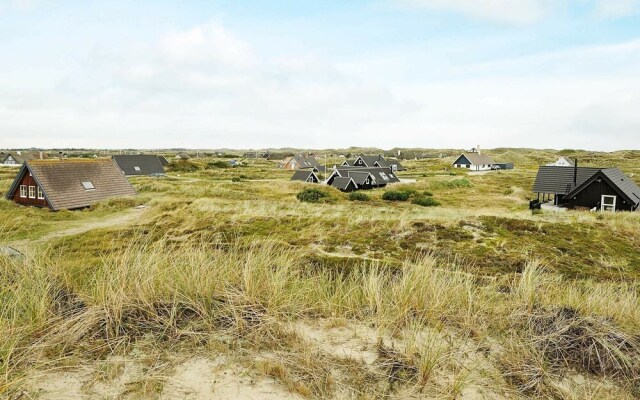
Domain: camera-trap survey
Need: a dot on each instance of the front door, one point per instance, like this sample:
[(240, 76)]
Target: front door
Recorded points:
[(608, 203)]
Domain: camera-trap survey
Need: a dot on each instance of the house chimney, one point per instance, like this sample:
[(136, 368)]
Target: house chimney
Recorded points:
[(575, 172)]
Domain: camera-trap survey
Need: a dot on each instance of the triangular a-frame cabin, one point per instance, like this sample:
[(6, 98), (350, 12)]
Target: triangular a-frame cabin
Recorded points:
[(68, 184)]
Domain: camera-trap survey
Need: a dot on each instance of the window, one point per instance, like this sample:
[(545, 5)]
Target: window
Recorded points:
[(88, 185), (384, 176), (23, 191), (32, 192), (137, 168), (40, 193), (608, 203)]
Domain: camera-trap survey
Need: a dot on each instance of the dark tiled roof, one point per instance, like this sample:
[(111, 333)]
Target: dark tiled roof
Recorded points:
[(625, 185), (306, 161), (341, 183), (139, 164), (375, 161), (370, 160), (359, 177), (381, 175), (62, 181), (559, 180), (303, 175), (163, 161), (22, 157)]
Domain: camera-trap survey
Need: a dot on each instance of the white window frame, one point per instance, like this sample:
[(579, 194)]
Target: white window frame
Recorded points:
[(608, 206), (137, 169), (23, 191), (32, 192), (40, 193), (88, 187)]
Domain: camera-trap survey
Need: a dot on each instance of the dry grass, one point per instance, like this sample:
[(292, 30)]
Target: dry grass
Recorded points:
[(484, 301)]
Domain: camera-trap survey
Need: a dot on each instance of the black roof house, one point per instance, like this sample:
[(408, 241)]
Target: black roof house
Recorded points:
[(363, 178), (586, 187), (139, 164), (305, 175), (345, 184), (369, 161)]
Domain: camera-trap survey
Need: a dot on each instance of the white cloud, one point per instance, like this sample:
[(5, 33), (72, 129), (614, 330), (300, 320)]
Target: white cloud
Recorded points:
[(617, 8), (505, 11), (206, 44), (519, 12), (18, 5), (207, 87)]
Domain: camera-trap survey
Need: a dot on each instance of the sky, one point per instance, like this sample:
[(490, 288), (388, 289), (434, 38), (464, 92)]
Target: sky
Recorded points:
[(561, 74)]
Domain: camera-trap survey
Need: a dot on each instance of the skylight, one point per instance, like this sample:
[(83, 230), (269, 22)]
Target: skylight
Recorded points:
[(136, 168), (88, 185)]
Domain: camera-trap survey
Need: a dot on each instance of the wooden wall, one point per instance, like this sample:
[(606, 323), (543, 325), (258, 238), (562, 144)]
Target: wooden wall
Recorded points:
[(28, 180), (591, 196)]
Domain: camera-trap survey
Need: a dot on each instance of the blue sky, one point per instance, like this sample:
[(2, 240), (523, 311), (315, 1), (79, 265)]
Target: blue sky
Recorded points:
[(385, 73)]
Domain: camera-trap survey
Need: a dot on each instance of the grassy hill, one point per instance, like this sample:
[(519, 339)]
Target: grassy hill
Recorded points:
[(226, 286)]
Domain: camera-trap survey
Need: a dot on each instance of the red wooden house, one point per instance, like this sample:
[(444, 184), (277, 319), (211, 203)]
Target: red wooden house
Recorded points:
[(68, 184)]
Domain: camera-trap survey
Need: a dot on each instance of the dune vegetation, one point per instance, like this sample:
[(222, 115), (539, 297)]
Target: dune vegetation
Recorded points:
[(225, 279)]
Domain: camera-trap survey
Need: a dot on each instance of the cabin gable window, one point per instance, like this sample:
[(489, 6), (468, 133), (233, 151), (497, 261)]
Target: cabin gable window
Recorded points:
[(23, 191), (88, 185), (32, 192), (608, 203), (40, 193)]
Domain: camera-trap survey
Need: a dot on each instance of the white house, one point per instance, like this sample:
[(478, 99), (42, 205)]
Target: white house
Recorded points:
[(562, 162), (474, 161)]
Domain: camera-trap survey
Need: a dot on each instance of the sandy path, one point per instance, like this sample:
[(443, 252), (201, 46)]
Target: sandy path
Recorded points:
[(78, 227)]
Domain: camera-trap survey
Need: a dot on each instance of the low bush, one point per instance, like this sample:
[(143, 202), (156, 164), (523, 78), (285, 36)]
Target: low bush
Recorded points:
[(236, 179), (358, 196), (183, 166), (394, 195), (218, 164), (312, 196), (425, 201)]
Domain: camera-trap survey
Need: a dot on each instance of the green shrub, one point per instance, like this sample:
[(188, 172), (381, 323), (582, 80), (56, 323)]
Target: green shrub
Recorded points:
[(236, 179), (395, 195), (425, 201), (183, 166), (312, 195), (427, 193), (217, 164), (358, 196)]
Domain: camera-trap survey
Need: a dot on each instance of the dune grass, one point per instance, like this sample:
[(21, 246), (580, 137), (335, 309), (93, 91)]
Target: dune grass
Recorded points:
[(475, 297)]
